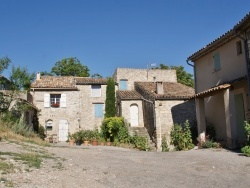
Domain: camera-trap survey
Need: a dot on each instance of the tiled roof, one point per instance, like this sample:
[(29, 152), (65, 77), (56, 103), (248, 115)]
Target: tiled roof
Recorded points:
[(54, 82), (211, 91), (229, 35), (87, 80), (171, 90), (128, 94)]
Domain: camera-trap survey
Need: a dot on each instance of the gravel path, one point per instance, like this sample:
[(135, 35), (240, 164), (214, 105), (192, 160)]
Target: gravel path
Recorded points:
[(104, 166)]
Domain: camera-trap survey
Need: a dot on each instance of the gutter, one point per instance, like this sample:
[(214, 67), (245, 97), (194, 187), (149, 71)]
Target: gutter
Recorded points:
[(195, 83)]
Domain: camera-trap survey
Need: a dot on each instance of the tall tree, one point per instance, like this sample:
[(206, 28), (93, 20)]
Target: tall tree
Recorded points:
[(70, 67), (110, 108), (182, 76)]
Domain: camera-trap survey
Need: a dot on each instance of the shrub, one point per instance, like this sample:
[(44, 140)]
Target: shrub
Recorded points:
[(164, 144), (246, 150), (41, 132), (140, 142), (21, 128), (114, 128), (181, 137), (247, 130)]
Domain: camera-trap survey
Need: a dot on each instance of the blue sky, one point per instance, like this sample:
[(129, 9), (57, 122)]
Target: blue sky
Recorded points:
[(106, 34)]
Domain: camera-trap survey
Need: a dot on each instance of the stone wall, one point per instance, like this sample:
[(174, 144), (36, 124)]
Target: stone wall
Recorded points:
[(169, 112), (143, 75)]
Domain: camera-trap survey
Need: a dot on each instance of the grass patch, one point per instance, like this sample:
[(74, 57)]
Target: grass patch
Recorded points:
[(31, 159), (6, 168)]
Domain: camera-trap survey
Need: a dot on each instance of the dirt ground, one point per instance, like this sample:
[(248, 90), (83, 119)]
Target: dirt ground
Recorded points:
[(107, 166)]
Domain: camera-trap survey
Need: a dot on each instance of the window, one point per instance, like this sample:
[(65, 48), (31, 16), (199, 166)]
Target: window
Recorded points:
[(49, 125), (123, 84), (54, 100), (98, 110), (217, 65), (239, 47), (96, 90)]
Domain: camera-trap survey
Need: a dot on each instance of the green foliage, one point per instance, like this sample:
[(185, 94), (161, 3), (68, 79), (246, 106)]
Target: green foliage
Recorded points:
[(4, 63), (210, 144), (164, 144), (41, 132), (247, 130), (96, 75), (181, 137), (21, 79), (246, 150), (70, 67), (114, 128), (182, 76), (140, 142), (31, 159), (110, 108), (21, 128)]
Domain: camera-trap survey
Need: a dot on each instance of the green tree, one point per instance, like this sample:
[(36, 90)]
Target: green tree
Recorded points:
[(45, 73), (110, 108), (21, 79), (96, 75), (182, 76), (70, 67), (4, 63)]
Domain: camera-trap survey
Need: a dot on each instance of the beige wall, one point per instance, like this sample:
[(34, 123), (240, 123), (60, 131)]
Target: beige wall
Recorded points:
[(125, 110), (142, 75), (232, 67)]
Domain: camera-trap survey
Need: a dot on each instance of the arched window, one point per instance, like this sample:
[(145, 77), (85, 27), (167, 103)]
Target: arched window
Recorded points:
[(49, 125)]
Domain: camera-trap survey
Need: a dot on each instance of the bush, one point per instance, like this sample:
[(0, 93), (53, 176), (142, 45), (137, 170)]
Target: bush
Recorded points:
[(114, 128), (21, 128), (41, 132), (247, 130), (164, 144), (210, 144), (140, 142), (246, 150), (181, 137)]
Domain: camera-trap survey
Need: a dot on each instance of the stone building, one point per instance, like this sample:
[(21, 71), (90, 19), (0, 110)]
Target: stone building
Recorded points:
[(150, 101), (153, 100)]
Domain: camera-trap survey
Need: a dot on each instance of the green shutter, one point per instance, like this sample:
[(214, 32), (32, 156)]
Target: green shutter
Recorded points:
[(217, 62)]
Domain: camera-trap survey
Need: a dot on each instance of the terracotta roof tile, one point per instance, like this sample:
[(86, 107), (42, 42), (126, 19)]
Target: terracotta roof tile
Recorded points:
[(171, 90), (211, 91), (57, 82), (87, 80), (128, 94)]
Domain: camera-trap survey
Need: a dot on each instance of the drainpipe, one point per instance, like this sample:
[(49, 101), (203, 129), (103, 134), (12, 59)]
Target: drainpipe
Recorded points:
[(247, 63), (194, 74)]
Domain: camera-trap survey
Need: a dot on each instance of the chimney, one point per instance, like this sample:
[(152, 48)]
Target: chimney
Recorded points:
[(38, 76), (159, 88)]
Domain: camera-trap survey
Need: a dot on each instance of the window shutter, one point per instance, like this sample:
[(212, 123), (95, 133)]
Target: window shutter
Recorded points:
[(46, 100), (98, 110), (123, 84), (63, 101), (217, 62), (96, 90)]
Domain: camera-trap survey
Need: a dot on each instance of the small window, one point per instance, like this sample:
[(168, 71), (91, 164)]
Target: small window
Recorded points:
[(217, 65), (49, 125), (98, 110), (123, 85), (55, 100), (96, 90), (239, 47)]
